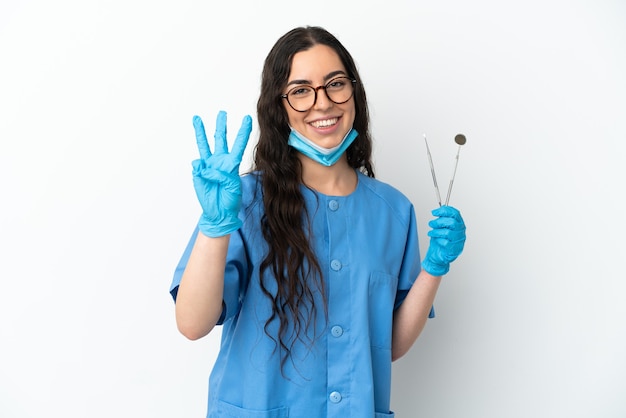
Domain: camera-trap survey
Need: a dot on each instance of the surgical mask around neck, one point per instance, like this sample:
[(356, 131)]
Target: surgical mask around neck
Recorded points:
[(324, 156)]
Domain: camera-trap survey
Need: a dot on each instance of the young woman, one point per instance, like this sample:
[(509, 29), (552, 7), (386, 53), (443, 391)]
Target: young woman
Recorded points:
[(310, 264)]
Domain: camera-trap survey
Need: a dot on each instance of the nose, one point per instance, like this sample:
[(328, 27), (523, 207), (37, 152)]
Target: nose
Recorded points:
[(321, 99)]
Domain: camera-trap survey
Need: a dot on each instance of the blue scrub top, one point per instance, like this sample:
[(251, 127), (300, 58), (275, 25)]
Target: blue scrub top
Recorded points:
[(367, 247)]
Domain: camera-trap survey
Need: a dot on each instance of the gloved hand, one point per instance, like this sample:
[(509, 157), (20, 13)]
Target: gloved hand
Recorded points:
[(216, 177), (447, 238)]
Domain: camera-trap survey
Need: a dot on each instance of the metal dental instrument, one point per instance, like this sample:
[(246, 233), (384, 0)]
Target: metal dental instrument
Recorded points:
[(432, 170), (460, 140)]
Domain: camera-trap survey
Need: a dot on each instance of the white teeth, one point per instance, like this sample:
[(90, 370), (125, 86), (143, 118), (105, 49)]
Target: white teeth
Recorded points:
[(324, 123)]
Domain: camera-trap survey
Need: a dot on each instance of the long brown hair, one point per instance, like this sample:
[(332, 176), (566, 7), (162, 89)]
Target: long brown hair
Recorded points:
[(285, 226)]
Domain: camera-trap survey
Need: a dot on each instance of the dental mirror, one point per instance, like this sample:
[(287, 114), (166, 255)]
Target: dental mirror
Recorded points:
[(460, 140)]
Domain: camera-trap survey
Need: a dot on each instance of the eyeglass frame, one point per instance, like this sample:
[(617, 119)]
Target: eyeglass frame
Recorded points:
[(315, 90)]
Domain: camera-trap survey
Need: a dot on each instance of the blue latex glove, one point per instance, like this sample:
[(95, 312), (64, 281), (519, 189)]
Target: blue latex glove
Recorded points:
[(447, 238), (216, 177)]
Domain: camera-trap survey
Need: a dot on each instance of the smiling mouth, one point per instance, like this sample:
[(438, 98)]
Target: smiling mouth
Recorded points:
[(324, 123)]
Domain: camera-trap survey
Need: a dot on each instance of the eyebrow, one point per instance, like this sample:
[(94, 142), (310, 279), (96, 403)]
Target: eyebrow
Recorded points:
[(326, 78)]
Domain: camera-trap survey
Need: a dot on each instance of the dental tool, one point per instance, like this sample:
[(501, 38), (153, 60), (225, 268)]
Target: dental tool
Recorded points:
[(432, 170), (459, 140)]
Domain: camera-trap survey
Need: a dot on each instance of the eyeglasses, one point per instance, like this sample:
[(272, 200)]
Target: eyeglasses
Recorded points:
[(338, 90)]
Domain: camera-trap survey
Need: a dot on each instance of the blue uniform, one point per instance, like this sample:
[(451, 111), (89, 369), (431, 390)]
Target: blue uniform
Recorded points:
[(367, 247)]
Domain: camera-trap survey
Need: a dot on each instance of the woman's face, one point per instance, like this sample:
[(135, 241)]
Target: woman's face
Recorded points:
[(326, 123)]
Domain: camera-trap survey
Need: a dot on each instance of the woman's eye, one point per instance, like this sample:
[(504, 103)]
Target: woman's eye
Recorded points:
[(336, 84), (300, 91)]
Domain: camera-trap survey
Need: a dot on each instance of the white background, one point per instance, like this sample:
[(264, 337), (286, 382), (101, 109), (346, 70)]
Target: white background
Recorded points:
[(96, 101)]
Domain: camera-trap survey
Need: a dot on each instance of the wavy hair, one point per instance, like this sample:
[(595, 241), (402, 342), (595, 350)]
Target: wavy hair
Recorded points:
[(285, 225)]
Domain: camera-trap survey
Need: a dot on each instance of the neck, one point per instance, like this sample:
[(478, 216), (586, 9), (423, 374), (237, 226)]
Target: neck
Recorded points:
[(337, 180)]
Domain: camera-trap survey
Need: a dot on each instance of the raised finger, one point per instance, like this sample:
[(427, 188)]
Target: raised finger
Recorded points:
[(203, 144), (220, 133), (242, 138)]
